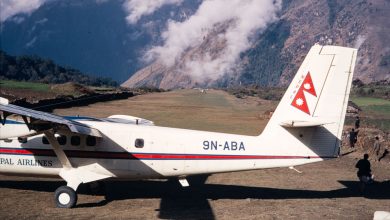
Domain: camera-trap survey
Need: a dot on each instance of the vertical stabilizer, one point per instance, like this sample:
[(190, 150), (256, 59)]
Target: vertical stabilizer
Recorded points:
[(310, 117)]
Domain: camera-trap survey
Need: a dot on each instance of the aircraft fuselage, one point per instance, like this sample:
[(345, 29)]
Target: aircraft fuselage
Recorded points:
[(138, 152)]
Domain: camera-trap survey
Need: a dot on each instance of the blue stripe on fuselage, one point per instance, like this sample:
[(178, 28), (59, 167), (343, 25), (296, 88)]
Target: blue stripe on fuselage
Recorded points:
[(13, 122), (80, 118)]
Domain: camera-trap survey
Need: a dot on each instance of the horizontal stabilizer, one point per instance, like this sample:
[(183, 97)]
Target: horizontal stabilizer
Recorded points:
[(300, 124)]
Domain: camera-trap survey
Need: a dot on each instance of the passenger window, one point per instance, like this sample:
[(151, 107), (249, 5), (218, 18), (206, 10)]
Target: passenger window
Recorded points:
[(91, 141), (44, 140), (61, 139), (75, 140), (139, 143), (22, 140)]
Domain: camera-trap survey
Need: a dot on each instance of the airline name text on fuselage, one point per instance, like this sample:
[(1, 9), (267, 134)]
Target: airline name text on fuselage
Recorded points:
[(25, 162)]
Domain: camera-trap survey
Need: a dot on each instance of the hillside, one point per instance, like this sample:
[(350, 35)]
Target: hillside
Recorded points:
[(277, 52), (36, 69)]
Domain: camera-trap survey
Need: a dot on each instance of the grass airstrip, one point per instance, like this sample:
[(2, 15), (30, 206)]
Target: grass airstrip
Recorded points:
[(212, 110), (215, 110)]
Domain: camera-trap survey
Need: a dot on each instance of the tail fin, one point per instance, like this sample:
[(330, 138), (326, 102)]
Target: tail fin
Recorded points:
[(310, 117)]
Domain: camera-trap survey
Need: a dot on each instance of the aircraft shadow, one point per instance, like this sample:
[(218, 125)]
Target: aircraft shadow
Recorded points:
[(193, 202)]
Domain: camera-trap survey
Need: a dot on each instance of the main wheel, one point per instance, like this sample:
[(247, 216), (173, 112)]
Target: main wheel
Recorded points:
[(65, 197)]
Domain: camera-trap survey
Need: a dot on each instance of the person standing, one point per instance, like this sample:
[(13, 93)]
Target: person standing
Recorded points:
[(364, 172), (357, 122), (377, 148), (352, 138)]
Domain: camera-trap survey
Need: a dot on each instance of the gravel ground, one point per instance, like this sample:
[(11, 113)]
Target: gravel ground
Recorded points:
[(326, 189)]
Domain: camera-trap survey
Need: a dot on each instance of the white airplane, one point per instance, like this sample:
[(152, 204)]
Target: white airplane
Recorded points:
[(306, 127)]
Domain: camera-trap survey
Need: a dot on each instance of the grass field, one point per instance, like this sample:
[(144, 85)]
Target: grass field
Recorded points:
[(215, 110), (10, 84), (376, 111), (33, 91), (212, 111), (367, 101)]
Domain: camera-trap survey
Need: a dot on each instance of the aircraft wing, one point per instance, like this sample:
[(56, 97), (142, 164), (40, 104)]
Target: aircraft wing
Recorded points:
[(48, 124), (42, 121)]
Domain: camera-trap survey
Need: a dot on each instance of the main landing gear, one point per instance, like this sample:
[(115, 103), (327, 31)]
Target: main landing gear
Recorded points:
[(65, 197)]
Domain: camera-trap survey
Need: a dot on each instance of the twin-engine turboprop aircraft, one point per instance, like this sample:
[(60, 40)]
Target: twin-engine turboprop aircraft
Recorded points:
[(306, 127)]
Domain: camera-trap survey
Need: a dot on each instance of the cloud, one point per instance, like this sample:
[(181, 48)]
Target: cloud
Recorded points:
[(139, 8), (244, 19), (9, 8)]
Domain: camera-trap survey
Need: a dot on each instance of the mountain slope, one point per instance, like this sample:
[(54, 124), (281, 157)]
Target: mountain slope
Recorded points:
[(277, 53)]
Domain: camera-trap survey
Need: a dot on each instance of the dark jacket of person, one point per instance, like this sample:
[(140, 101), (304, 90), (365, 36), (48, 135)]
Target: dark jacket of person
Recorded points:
[(353, 136), (364, 167), (357, 123)]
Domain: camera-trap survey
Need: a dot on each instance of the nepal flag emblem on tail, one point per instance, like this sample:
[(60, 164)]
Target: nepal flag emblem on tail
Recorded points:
[(299, 100)]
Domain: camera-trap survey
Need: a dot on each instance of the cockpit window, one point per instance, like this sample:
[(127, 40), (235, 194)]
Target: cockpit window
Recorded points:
[(44, 140), (22, 140)]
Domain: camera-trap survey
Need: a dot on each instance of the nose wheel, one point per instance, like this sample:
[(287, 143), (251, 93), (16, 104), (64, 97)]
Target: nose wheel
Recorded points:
[(65, 197)]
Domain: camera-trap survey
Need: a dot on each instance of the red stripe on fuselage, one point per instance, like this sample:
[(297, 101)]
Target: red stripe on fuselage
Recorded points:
[(142, 156)]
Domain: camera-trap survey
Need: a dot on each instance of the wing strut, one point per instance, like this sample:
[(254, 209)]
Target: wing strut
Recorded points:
[(57, 149), (74, 176), (67, 171)]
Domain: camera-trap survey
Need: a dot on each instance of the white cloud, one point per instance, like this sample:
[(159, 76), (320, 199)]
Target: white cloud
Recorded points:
[(244, 18), (9, 8), (139, 8)]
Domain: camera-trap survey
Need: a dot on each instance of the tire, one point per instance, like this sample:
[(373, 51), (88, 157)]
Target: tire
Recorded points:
[(65, 197)]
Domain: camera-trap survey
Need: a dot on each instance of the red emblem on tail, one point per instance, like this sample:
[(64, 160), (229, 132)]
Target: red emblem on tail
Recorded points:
[(299, 100)]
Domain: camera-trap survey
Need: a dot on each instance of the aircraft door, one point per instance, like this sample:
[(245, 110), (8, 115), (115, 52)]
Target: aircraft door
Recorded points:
[(141, 150)]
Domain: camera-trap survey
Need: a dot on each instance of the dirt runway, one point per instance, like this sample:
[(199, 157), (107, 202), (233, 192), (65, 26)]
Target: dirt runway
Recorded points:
[(324, 190)]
